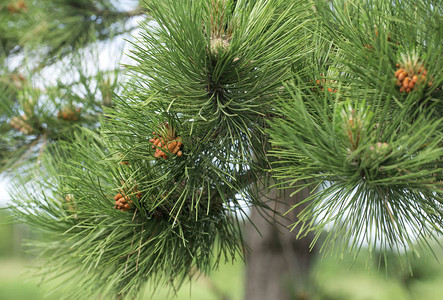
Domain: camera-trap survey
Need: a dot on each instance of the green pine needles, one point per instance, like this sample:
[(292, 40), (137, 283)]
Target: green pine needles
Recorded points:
[(155, 198), (166, 236), (366, 133), (342, 98)]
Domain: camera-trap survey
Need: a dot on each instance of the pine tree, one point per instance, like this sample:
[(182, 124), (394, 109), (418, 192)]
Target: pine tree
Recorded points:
[(241, 103), (55, 39)]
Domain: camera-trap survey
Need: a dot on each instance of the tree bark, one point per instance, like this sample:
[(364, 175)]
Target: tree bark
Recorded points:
[(277, 264)]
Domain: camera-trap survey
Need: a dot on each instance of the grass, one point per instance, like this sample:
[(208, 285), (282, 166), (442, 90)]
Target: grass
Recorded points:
[(225, 283), (363, 279), (16, 284), (332, 280)]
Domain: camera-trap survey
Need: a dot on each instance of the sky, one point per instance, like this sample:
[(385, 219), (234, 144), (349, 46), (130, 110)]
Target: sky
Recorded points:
[(4, 196)]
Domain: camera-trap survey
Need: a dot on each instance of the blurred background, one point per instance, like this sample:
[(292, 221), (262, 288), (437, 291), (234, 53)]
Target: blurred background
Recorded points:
[(39, 42)]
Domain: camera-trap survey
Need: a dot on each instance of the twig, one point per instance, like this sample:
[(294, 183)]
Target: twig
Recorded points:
[(139, 248), (133, 217), (127, 259), (387, 207), (45, 140)]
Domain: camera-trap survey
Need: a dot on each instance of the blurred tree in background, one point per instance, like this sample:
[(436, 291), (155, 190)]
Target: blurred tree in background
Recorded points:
[(311, 114), (51, 78)]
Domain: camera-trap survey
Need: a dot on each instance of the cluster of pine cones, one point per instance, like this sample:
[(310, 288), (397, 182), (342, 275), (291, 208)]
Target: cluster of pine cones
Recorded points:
[(123, 202), (22, 124), (410, 73), (378, 151), (407, 80), (166, 142), (321, 84), (17, 7), (69, 114), (25, 124)]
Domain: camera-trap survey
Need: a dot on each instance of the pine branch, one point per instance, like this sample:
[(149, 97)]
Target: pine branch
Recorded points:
[(369, 142), (157, 195), (216, 89)]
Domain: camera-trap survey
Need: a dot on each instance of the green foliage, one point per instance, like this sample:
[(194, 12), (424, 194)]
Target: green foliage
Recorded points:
[(201, 80), (217, 84), (224, 95), (51, 29), (121, 250), (45, 77), (35, 117), (371, 153)]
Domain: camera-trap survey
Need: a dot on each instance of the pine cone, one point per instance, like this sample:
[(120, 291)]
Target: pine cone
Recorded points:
[(322, 83), (377, 152), (17, 7), (219, 45), (166, 142), (410, 72), (22, 124), (122, 202), (69, 114)]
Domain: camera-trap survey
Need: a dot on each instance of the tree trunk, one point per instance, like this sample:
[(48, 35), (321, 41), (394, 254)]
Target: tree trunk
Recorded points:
[(278, 264)]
